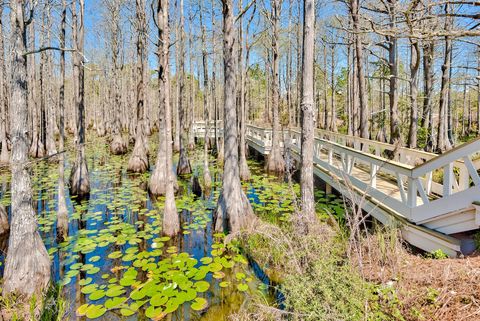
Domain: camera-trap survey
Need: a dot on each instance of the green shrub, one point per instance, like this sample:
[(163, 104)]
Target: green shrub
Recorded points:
[(438, 255)]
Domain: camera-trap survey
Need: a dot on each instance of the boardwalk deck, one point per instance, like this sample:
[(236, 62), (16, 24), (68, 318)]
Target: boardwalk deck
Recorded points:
[(428, 196)]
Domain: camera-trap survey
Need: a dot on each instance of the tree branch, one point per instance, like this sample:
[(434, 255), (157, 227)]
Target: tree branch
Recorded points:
[(47, 48)]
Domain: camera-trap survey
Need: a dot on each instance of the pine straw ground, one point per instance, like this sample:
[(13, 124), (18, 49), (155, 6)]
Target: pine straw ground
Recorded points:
[(328, 275), (442, 289)]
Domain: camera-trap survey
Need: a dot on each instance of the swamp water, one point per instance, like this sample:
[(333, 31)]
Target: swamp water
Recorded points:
[(115, 264)]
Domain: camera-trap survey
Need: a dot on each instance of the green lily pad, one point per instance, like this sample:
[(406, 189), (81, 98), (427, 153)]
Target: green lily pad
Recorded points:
[(224, 284), (82, 310), (115, 302), (115, 291), (115, 255), (158, 300), (215, 267), (85, 281), (206, 260), (95, 311), (89, 288), (127, 312), (202, 286), (242, 287), (94, 259), (199, 304), (93, 270), (97, 295)]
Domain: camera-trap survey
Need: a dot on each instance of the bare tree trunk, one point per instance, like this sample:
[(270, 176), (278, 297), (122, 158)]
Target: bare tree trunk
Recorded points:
[(183, 166), (233, 208), (299, 70), (48, 118), (333, 120), (393, 91), (427, 114), (119, 145), (62, 212), (27, 265), (171, 223), (215, 149), (364, 130), (465, 117), (478, 91), (79, 180), (275, 162), (159, 178), (207, 179), (244, 170), (443, 143), (414, 66), (176, 120), (4, 154), (449, 110), (191, 109), (138, 162), (37, 148), (291, 111), (470, 112), (349, 102), (325, 87), (308, 115)]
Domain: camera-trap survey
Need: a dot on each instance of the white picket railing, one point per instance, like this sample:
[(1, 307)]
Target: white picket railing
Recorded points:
[(417, 185)]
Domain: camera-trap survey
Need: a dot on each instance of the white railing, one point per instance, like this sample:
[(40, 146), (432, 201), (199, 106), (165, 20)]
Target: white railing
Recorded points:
[(260, 136), (416, 184), (200, 127), (417, 196)]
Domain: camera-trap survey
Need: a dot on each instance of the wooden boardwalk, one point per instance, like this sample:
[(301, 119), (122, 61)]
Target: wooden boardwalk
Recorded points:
[(432, 198)]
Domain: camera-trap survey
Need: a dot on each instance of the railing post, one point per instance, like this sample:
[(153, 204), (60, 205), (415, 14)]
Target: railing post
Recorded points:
[(373, 175), (412, 193), (464, 178), (447, 179), (428, 183)]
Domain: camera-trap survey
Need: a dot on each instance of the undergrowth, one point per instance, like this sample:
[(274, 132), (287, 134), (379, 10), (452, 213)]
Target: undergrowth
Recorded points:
[(51, 306), (315, 271)]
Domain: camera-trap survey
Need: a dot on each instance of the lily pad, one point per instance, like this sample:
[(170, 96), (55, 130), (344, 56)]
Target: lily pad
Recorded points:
[(199, 304), (95, 311), (202, 286)]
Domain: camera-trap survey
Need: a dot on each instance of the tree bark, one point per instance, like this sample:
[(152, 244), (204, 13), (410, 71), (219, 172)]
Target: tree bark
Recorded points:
[(308, 115), (191, 109), (395, 136), (171, 223), (183, 166), (233, 208), (37, 148), (207, 179), (325, 88), (4, 153), (363, 121), (427, 114), (275, 162), (27, 265), (414, 66), (333, 120), (443, 143), (48, 117), (138, 162), (176, 119), (79, 180), (62, 212), (244, 170), (478, 91), (118, 145)]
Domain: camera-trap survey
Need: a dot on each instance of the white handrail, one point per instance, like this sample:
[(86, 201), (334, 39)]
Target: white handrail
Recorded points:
[(412, 192)]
